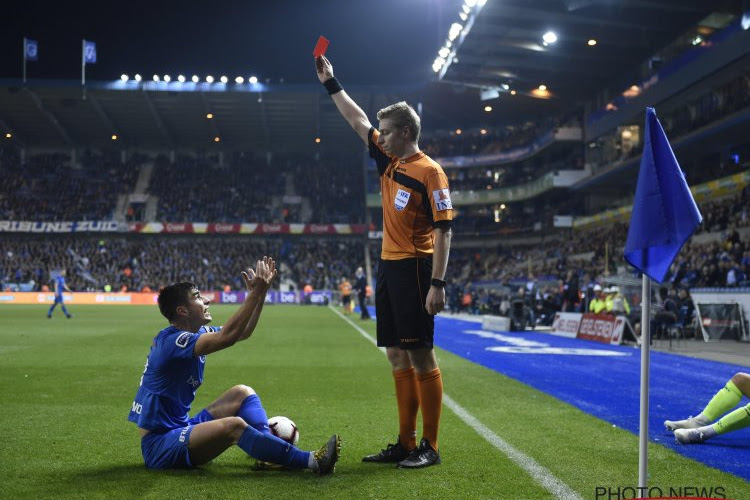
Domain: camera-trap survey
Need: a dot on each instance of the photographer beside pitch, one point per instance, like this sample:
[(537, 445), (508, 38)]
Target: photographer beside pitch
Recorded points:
[(170, 438), (410, 289)]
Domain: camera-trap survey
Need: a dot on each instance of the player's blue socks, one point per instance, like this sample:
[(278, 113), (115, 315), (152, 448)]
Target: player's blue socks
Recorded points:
[(269, 448), (252, 412), (52, 308)]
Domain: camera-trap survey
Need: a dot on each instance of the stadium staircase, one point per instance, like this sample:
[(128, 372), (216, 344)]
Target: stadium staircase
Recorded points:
[(139, 195)]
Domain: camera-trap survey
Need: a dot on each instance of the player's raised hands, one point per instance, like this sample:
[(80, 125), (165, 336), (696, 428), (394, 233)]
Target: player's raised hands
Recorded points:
[(324, 68), (261, 278)]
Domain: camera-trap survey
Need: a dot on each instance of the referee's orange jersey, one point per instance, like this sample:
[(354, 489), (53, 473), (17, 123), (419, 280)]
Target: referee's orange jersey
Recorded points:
[(416, 198)]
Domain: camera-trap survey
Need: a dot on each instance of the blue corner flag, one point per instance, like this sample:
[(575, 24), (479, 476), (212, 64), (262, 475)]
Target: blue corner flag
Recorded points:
[(664, 212)]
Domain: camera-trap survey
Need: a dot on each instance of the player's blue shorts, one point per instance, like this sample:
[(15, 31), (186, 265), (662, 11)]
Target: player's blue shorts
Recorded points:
[(59, 299), (169, 450)]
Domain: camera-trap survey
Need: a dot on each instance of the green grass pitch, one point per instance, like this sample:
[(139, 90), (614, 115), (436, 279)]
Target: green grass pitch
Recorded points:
[(67, 386)]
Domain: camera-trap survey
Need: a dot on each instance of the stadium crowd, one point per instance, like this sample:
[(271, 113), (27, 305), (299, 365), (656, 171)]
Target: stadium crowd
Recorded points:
[(47, 187), (558, 273), (122, 263)]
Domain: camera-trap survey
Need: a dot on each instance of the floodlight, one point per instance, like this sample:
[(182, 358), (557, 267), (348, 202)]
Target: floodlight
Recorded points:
[(195, 79), (181, 78), (137, 77), (167, 78), (210, 79), (549, 37), (239, 80), (253, 80), (454, 31), (224, 79), (156, 78), (124, 77)]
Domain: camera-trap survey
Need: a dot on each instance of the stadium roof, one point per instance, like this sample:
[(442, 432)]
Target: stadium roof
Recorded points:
[(502, 47), (593, 44), (164, 116)]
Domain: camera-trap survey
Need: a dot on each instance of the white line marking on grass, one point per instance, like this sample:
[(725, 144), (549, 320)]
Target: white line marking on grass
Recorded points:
[(538, 473)]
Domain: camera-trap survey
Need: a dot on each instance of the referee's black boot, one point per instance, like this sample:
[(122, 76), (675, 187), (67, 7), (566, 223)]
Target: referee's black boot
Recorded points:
[(423, 456), (391, 454)]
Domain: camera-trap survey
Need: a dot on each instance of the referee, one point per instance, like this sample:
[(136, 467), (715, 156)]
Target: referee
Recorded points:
[(410, 289)]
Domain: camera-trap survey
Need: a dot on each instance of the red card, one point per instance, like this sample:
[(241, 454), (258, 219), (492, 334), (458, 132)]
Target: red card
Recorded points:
[(320, 47)]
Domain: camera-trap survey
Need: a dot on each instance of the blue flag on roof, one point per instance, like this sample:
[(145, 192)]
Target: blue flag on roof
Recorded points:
[(30, 50), (664, 212), (89, 52)]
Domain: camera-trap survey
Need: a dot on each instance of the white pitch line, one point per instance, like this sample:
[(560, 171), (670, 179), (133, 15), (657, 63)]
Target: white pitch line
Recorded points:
[(539, 473)]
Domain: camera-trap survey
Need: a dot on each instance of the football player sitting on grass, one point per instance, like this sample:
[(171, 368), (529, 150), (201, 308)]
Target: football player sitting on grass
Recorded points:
[(170, 438)]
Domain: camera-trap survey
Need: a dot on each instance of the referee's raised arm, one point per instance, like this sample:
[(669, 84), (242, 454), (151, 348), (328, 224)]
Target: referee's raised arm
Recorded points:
[(349, 109)]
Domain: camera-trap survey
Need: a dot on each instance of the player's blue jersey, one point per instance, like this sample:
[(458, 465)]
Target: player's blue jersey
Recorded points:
[(59, 285), (169, 381)]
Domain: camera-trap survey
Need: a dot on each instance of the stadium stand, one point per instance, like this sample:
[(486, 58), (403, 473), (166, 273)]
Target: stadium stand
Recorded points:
[(511, 185)]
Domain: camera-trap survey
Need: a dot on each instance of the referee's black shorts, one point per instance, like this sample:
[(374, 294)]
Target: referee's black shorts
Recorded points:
[(400, 294)]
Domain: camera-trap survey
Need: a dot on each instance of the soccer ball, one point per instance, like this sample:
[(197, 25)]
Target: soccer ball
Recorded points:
[(284, 428)]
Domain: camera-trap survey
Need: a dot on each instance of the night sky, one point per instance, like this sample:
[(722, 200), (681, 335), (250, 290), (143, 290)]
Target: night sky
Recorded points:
[(383, 42)]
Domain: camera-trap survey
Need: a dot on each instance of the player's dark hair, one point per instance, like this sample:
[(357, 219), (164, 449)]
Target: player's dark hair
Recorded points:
[(173, 296), (402, 115)]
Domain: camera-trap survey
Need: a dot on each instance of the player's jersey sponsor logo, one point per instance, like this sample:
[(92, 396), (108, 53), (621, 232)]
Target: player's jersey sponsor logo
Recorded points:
[(402, 198), (442, 199), (183, 339)]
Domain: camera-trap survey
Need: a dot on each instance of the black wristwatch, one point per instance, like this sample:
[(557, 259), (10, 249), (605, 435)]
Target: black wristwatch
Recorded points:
[(438, 283)]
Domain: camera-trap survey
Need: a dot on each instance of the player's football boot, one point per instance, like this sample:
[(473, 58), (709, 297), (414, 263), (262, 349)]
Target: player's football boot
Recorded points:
[(688, 423), (391, 454), (689, 436), (423, 456), (328, 455)]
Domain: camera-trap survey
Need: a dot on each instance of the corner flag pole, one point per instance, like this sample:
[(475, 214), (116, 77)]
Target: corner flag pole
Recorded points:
[(645, 365)]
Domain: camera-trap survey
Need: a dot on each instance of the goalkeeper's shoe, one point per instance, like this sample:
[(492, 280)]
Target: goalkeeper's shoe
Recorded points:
[(688, 423), (327, 456), (690, 436), (391, 454)]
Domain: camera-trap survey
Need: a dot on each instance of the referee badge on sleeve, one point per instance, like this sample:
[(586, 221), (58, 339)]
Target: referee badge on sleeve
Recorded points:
[(442, 199)]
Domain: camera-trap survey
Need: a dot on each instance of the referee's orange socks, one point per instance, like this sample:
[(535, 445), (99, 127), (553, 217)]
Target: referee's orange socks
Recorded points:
[(430, 387), (408, 406)]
